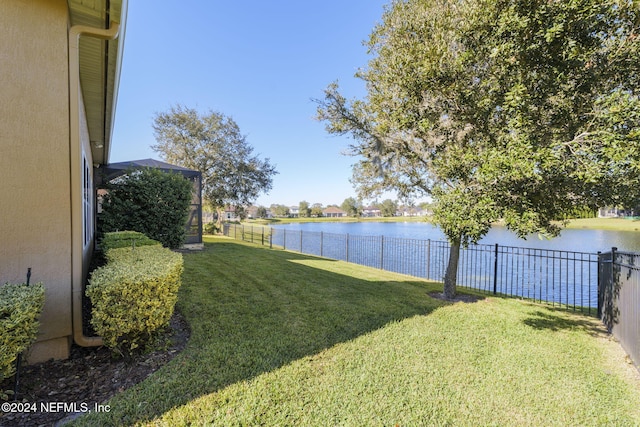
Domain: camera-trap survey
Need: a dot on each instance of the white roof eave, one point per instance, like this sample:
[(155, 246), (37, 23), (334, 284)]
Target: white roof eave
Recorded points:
[(100, 65)]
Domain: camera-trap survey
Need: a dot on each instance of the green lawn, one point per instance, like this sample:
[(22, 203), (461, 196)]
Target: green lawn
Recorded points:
[(280, 338), (619, 224)]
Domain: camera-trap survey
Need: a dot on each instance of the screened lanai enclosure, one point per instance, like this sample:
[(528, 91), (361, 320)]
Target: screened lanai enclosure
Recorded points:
[(193, 226)]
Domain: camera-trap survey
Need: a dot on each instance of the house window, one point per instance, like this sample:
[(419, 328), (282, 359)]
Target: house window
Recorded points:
[(87, 203)]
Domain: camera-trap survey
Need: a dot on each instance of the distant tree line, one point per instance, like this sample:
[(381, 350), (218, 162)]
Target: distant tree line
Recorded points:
[(353, 208)]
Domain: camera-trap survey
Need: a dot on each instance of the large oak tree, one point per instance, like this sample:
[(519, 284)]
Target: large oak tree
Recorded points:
[(232, 175), (517, 110)]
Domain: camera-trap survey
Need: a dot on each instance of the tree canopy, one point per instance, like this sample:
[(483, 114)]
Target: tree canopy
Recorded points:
[(232, 175), (351, 206), (498, 109), (280, 210), (304, 211), (316, 210)]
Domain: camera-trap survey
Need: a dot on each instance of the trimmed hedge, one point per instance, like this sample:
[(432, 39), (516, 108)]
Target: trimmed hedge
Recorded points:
[(125, 239), (150, 201), (134, 295), (20, 308)]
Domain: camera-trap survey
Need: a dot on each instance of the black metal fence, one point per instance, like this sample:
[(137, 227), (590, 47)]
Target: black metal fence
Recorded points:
[(565, 278), (619, 299)]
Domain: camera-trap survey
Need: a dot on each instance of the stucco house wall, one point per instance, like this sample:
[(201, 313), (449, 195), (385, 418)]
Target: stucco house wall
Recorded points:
[(48, 149), (34, 160)]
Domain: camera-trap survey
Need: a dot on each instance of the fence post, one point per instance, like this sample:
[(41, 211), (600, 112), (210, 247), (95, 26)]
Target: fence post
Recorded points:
[(321, 243), (347, 249), (381, 252), (428, 258), (284, 239), (262, 235), (495, 271), (612, 275), (271, 239), (609, 292), (301, 232), (599, 285)]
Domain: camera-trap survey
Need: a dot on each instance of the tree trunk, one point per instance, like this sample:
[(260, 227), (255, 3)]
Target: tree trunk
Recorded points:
[(220, 212), (452, 271)]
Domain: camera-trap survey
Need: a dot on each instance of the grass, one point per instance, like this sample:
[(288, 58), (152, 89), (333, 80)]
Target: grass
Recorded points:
[(280, 338), (618, 224)]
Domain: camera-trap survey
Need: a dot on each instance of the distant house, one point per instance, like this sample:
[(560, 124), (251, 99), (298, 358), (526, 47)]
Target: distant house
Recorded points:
[(407, 211), (294, 211), (371, 211), (612, 212), (252, 212), (58, 90), (333, 212), (231, 214)]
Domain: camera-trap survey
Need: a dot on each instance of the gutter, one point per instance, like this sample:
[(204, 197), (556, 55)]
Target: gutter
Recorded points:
[(76, 170)]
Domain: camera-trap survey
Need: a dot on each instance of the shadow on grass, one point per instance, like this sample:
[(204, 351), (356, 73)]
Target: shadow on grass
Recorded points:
[(253, 310), (560, 320)]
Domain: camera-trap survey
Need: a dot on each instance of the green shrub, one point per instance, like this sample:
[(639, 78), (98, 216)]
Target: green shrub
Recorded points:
[(210, 228), (125, 239), (20, 308), (134, 295), (150, 201)]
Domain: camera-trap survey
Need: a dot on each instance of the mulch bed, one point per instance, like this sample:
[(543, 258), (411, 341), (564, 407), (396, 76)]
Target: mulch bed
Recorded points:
[(91, 376), (458, 298)]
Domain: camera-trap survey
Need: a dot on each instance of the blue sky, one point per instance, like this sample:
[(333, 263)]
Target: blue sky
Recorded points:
[(259, 62)]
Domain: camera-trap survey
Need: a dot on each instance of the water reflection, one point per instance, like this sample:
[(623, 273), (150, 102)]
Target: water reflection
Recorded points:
[(578, 240)]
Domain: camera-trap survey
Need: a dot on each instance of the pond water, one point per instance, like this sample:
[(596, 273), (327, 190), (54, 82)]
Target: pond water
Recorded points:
[(577, 240)]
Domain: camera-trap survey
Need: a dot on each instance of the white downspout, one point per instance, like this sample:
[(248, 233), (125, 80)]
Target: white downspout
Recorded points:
[(75, 165)]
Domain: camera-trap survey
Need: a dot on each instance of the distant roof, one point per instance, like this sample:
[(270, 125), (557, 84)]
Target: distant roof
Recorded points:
[(114, 170), (333, 209)]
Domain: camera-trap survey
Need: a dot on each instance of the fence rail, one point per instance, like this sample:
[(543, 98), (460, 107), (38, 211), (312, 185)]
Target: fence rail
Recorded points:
[(565, 278)]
